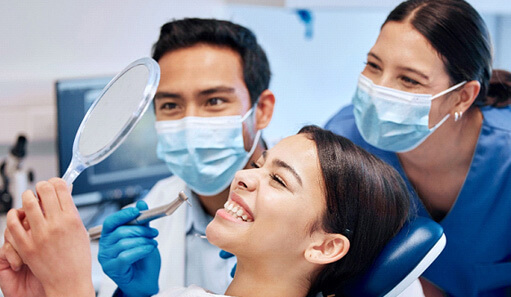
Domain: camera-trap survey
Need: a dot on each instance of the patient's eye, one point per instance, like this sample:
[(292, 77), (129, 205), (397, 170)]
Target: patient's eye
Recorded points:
[(278, 179), (254, 165)]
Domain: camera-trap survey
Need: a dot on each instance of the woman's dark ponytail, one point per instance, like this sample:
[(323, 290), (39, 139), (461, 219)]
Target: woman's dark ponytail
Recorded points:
[(499, 89)]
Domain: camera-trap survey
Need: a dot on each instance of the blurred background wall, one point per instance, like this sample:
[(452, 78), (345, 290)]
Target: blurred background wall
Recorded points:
[(315, 63)]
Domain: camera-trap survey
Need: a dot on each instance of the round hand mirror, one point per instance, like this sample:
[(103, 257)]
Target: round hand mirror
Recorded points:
[(113, 115)]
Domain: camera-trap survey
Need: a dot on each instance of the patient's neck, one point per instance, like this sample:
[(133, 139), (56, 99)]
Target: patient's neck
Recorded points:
[(269, 279)]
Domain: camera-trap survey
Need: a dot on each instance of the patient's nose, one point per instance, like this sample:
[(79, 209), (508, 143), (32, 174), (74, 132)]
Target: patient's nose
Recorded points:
[(246, 179)]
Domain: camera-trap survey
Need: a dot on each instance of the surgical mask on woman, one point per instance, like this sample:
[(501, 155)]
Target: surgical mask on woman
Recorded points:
[(393, 120), (205, 152)]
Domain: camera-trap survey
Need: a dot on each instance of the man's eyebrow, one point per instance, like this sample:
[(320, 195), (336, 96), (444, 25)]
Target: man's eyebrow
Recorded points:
[(402, 68), (219, 89), (265, 154), (163, 95)]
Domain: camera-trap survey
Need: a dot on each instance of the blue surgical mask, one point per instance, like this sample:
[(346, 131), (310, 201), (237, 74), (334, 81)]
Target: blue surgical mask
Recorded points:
[(393, 120), (205, 152)]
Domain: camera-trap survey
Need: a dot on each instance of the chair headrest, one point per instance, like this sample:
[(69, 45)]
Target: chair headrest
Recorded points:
[(402, 261)]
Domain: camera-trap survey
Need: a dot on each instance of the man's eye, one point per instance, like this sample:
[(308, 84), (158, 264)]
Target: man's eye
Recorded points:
[(215, 101), (278, 179), (168, 105), (254, 165)]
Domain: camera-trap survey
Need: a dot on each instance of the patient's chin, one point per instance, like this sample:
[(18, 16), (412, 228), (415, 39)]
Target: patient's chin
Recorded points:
[(220, 235), (215, 233)]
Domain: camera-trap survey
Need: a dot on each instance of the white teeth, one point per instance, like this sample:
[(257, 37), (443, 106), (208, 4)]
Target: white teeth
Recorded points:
[(236, 211)]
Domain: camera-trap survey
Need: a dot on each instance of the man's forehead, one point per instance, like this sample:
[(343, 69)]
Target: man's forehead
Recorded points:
[(206, 70)]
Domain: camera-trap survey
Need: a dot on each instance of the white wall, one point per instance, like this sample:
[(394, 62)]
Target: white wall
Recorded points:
[(43, 41), (503, 42), (312, 78)]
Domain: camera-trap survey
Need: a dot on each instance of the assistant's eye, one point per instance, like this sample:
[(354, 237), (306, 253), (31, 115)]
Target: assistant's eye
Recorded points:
[(409, 81), (278, 179), (215, 101)]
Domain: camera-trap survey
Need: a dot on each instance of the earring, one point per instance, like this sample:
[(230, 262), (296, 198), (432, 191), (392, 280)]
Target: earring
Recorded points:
[(458, 115)]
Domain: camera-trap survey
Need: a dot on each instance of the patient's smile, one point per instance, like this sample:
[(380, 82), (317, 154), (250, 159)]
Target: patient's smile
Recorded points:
[(237, 211)]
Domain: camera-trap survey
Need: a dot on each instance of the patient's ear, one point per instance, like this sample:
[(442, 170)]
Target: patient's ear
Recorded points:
[(327, 248)]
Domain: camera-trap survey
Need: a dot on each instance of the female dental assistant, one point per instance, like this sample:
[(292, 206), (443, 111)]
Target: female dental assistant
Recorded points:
[(426, 105)]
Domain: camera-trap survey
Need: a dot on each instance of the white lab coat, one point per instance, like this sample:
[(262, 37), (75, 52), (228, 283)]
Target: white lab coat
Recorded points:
[(191, 291), (172, 244)]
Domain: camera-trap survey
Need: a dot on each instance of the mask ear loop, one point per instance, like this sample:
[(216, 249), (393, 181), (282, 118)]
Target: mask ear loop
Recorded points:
[(449, 90), (447, 115)]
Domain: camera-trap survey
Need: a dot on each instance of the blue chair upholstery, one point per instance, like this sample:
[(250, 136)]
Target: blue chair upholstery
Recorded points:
[(402, 260)]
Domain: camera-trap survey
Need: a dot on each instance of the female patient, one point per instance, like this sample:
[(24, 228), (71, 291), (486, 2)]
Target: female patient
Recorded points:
[(313, 213)]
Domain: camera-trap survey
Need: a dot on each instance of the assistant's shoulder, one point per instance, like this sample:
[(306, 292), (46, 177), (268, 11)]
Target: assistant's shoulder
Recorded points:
[(164, 191), (342, 116), (343, 123), (499, 118)]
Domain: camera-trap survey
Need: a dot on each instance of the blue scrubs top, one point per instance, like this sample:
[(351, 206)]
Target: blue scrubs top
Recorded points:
[(477, 258)]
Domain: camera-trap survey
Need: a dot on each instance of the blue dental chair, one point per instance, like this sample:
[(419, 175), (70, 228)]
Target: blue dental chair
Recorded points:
[(401, 262)]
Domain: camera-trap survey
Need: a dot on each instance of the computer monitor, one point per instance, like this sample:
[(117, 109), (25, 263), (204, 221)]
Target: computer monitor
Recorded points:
[(126, 174)]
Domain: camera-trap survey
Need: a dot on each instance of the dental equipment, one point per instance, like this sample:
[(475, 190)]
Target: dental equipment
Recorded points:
[(147, 215)]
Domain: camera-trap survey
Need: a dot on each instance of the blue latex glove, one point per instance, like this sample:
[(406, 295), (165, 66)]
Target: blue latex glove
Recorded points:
[(227, 255), (128, 253)]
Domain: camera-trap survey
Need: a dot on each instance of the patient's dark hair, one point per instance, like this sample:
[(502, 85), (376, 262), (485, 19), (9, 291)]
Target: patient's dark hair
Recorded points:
[(366, 200), (189, 32)]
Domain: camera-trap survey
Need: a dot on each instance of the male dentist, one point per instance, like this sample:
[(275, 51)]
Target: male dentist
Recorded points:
[(211, 105)]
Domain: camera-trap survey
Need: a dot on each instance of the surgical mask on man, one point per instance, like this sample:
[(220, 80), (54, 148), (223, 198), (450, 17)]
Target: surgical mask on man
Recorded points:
[(393, 120), (206, 152)]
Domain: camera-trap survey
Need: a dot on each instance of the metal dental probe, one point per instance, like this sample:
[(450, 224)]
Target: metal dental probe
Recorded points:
[(147, 215)]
